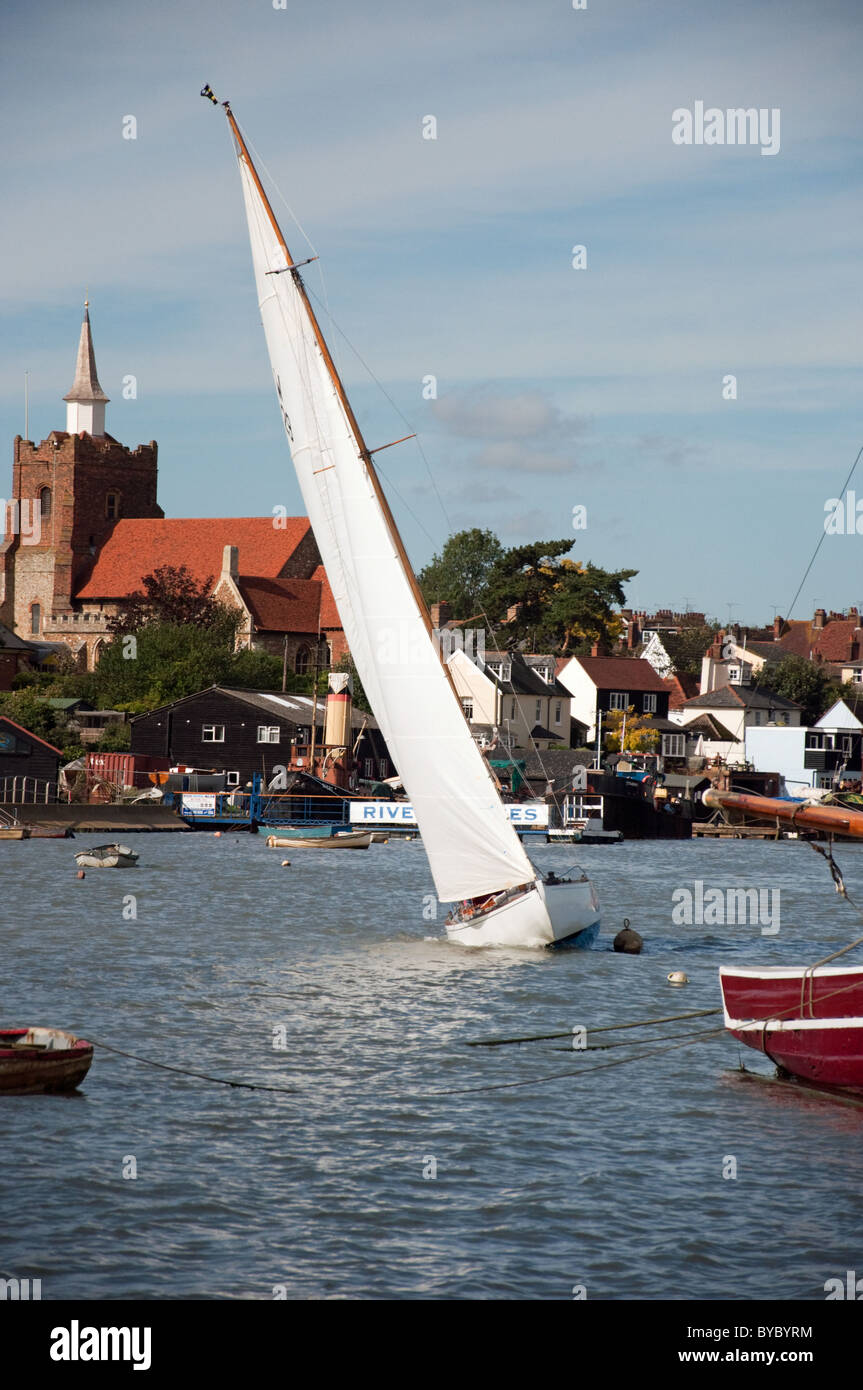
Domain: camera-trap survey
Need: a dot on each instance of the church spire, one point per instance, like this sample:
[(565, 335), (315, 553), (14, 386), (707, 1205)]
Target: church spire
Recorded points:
[(86, 401)]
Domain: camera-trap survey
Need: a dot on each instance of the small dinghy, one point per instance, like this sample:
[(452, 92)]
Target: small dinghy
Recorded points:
[(351, 839), (36, 1060), (106, 857)]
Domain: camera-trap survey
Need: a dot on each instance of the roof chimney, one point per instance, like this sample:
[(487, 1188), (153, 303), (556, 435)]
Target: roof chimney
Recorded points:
[(230, 561), (818, 620)]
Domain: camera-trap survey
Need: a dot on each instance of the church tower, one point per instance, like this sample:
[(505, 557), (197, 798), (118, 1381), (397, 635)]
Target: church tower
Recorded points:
[(68, 493)]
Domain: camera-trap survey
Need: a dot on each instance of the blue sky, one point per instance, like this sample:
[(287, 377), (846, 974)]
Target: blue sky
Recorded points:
[(452, 257)]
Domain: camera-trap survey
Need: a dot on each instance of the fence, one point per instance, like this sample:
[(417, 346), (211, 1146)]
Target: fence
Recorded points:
[(19, 790)]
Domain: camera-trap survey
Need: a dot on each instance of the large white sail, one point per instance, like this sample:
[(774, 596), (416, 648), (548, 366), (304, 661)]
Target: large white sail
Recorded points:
[(471, 846)]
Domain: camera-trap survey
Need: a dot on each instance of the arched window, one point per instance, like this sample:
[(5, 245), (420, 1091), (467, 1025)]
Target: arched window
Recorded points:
[(112, 506), (45, 503), (301, 661), (35, 618)]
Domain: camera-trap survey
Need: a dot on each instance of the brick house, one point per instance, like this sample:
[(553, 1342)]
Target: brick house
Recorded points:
[(83, 527)]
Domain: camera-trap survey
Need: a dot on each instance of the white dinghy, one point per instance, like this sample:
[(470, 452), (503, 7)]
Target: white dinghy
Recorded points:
[(476, 858)]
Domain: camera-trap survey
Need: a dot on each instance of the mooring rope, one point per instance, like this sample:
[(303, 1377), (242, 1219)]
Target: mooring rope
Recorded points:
[(607, 1028), (200, 1075)]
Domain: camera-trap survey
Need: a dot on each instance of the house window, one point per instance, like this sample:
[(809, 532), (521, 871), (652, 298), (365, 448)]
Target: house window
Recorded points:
[(619, 699), (649, 704), (544, 672), (734, 674), (35, 617), (268, 733), (858, 676), (213, 733), (368, 767), (513, 710), (673, 745), (384, 769), (558, 711), (45, 503), (232, 779), (538, 715), (112, 506), (758, 716), (467, 706), (301, 663), (501, 669)]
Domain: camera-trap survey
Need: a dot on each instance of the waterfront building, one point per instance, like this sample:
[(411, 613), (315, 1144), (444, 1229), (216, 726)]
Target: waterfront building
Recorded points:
[(83, 527)]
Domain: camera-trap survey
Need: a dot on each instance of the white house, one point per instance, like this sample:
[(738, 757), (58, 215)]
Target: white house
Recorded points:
[(503, 693), (818, 757), (738, 708)]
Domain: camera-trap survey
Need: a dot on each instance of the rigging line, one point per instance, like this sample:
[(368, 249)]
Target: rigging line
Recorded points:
[(821, 537)]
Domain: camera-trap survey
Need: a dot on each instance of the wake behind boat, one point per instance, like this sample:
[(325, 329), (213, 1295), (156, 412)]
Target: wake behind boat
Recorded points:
[(475, 856)]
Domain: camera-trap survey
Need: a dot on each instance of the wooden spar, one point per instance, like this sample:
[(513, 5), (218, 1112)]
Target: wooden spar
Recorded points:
[(365, 453), (806, 815)]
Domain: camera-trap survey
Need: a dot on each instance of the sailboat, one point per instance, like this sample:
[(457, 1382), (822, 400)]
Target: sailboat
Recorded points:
[(477, 861)]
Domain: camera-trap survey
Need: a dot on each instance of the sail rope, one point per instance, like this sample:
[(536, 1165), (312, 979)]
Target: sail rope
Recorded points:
[(821, 537)]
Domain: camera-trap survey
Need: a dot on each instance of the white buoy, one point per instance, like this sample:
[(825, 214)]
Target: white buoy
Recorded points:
[(286, 863), (677, 977)]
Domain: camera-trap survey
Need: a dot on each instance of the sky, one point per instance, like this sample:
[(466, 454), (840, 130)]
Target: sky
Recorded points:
[(554, 387)]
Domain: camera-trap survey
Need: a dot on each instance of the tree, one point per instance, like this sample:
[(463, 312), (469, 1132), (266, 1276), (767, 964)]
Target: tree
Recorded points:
[(687, 647), (561, 603), (116, 738), (461, 572), (171, 594), (166, 662), (809, 684), (639, 736)]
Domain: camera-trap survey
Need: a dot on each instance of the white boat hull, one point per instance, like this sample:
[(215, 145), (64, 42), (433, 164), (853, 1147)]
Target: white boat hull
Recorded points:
[(550, 913)]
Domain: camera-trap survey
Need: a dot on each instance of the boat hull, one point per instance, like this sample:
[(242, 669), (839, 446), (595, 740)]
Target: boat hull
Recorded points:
[(545, 916), (106, 857), (810, 1024), (358, 840), (40, 1069)]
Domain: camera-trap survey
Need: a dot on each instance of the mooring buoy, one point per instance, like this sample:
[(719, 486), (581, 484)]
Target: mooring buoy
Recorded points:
[(678, 977), (627, 940)]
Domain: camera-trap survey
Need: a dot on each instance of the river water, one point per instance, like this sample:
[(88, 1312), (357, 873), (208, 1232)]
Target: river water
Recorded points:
[(367, 1179)]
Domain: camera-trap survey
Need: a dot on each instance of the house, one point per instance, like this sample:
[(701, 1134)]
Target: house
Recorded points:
[(15, 655), (735, 709), (241, 732), (84, 527), (29, 766), (640, 628), (503, 695), (835, 638), (599, 684), (824, 755)]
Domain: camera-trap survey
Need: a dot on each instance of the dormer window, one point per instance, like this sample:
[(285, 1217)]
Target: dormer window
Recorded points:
[(112, 506), (735, 674)]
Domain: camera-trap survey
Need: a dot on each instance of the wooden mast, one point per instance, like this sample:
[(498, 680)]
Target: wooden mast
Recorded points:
[(365, 454)]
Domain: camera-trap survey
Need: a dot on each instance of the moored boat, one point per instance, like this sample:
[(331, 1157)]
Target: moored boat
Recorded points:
[(106, 857), (38, 1060), (807, 1020), (359, 839), (14, 832)]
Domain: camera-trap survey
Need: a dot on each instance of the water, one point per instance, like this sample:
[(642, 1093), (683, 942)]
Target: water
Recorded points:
[(611, 1178)]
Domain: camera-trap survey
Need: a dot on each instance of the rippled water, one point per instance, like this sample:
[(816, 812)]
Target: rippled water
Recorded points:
[(610, 1178)]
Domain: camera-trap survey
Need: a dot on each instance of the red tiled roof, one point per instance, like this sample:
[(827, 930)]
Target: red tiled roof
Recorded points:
[(282, 605), (682, 688), (797, 639), (835, 641), (329, 612), (137, 547), (622, 673), (4, 719)]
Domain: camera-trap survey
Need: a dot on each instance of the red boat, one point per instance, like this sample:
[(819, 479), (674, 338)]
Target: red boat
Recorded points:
[(808, 1020), (36, 1060)]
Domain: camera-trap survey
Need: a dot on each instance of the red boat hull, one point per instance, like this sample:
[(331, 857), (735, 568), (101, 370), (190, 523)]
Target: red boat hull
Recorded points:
[(809, 1024), (30, 1071)]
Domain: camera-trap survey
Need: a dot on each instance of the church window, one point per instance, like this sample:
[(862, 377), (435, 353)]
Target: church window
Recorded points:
[(112, 506), (301, 664), (35, 618), (45, 503)]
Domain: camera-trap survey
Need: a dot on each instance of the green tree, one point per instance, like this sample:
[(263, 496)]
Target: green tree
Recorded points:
[(813, 686), (171, 594), (461, 572), (116, 738), (561, 603), (687, 647), (160, 663)]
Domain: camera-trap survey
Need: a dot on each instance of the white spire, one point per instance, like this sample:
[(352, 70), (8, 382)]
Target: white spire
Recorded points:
[(86, 401)]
